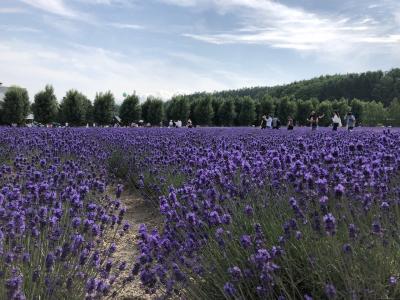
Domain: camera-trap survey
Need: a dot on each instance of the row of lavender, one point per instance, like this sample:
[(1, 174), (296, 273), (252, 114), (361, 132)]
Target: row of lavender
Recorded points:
[(56, 217), (247, 214), (254, 215)]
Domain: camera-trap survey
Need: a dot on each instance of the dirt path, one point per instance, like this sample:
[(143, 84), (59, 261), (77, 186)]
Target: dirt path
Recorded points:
[(137, 212)]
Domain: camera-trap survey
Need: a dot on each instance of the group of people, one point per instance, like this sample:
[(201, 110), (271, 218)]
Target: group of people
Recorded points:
[(178, 124), (313, 119), (336, 120), (175, 124), (270, 122)]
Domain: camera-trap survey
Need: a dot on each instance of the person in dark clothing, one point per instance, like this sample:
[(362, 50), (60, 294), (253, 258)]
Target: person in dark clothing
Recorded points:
[(290, 124), (314, 120), (263, 122), (350, 121), (276, 124)]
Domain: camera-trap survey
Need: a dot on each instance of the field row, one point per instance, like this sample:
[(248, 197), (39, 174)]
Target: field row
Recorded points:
[(246, 214)]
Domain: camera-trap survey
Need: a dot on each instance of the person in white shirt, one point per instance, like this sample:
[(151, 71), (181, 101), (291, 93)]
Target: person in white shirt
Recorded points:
[(269, 122), (336, 120)]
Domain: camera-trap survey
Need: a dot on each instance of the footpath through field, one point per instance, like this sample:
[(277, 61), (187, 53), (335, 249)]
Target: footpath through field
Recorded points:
[(137, 212)]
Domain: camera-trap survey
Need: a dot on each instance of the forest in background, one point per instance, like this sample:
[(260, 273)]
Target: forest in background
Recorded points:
[(373, 97)]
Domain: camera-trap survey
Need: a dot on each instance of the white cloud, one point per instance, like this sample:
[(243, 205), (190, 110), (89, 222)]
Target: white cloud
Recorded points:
[(11, 10), (107, 2), (277, 25), (57, 7), (194, 60), (91, 70), (19, 29), (340, 43), (388, 39), (127, 26), (182, 2)]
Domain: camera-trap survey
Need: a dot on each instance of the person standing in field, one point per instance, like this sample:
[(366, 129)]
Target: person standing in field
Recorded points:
[(314, 120), (269, 122), (350, 121), (336, 120), (290, 124), (263, 124), (276, 123)]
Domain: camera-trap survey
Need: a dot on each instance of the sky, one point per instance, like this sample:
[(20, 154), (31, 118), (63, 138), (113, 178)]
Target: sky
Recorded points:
[(169, 47)]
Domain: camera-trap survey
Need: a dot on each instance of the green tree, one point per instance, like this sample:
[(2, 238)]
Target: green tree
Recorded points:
[(394, 112), (117, 107), (341, 106), (89, 111), (104, 107), (74, 108), (216, 103), (226, 112), (238, 107), (130, 109), (375, 113), (1, 113), (153, 110), (325, 108), (178, 108), (315, 102), (192, 116), (15, 105), (286, 107), (203, 111), (304, 109), (247, 113), (45, 106), (388, 87), (266, 107), (357, 108), (368, 86)]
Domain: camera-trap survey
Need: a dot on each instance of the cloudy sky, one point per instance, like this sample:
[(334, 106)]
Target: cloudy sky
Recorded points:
[(166, 47)]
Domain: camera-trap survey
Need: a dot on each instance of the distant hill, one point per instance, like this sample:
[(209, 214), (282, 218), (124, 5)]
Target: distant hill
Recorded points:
[(373, 97), (378, 85)]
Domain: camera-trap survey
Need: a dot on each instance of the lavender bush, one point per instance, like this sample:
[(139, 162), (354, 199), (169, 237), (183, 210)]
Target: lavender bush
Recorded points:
[(278, 215), (247, 214), (55, 216)]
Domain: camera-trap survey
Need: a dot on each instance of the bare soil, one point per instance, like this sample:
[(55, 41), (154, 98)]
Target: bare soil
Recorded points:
[(137, 212)]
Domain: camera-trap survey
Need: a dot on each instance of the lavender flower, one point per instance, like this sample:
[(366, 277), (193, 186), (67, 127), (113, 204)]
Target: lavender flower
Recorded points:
[(330, 291), (229, 289), (330, 224)]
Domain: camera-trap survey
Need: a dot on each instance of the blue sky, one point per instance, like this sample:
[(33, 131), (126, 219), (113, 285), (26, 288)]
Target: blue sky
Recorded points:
[(167, 47)]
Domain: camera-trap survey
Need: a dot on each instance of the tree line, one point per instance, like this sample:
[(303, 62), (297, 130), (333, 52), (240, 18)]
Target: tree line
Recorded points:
[(74, 108), (209, 109), (369, 86), (325, 94)]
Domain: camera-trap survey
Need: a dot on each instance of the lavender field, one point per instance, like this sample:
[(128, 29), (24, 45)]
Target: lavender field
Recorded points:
[(242, 213)]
